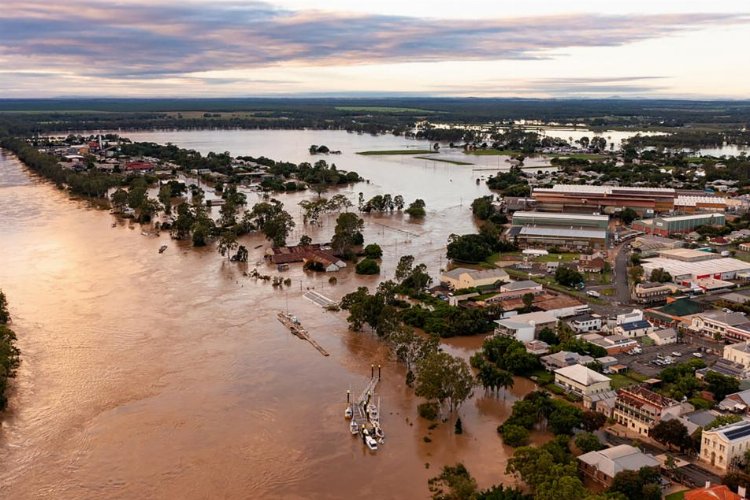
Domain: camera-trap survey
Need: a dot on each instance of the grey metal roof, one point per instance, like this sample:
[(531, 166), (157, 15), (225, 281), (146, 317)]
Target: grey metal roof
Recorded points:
[(561, 232)]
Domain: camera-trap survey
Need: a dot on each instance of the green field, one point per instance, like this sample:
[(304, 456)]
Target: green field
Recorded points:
[(454, 162), (397, 152), (382, 109), (679, 495)]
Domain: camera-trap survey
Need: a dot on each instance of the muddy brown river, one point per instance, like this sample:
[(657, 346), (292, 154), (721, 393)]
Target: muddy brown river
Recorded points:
[(148, 375)]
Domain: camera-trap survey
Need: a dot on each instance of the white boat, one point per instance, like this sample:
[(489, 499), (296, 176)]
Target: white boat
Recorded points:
[(353, 427), (348, 412), (379, 432), (371, 443), (373, 413)]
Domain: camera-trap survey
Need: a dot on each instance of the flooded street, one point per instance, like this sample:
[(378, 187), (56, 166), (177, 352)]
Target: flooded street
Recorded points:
[(169, 376)]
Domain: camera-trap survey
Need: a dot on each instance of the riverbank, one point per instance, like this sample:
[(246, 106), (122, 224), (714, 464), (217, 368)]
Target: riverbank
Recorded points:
[(9, 354)]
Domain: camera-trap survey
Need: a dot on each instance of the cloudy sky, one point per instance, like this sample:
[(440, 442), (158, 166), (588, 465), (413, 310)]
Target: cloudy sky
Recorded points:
[(533, 48)]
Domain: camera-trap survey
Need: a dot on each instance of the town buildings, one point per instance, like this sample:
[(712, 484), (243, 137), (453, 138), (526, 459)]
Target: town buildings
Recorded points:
[(729, 325), (602, 466), (664, 336), (651, 293), (572, 198), (678, 224), (738, 353), (720, 446), (561, 359), (461, 277), (582, 380), (525, 327), (639, 409)]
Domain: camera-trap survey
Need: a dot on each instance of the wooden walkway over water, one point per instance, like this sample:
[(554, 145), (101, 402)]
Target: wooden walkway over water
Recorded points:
[(295, 327)]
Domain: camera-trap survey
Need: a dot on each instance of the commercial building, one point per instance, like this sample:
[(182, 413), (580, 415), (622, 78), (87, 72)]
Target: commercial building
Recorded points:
[(634, 329), (563, 238), (678, 224), (564, 220), (688, 255), (520, 288), (693, 203), (723, 444), (602, 466), (639, 409), (584, 198), (585, 323), (651, 293), (461, 277), (582, 381), (666, 336), (684, 272), (525, 327), (728, 325), (649, 246), (738, 353)]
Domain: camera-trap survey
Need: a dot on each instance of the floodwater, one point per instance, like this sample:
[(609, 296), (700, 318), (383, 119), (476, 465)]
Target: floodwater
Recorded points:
[(148, 375)]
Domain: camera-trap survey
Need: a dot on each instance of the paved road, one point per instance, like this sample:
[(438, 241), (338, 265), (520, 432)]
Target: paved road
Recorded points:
[(620, 275)]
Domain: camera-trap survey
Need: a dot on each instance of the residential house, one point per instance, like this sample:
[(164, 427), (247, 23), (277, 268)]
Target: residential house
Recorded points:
[(639, 409), (664, 336), (562, 359), (139, 166), (596, 265), (737, 402), (582, 380), (462, 277), (602, 466), (537, 347), (716, 492), (720, 446), (585, 323)]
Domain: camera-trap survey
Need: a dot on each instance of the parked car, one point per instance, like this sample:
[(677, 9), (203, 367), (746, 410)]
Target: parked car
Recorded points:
[(676, 354), (697, 355)]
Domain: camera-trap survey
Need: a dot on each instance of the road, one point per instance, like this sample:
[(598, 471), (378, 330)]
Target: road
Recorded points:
[(692, 473), (620, 275)]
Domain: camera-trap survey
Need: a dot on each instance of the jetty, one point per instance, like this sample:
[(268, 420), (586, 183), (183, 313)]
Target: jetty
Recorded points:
[(296, 328), (364, 413)]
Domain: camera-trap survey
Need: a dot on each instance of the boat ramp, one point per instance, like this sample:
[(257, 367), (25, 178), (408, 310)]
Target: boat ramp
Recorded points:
[(296, 328)]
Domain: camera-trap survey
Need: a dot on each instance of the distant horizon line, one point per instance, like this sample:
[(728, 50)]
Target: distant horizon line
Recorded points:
[(376, 96)]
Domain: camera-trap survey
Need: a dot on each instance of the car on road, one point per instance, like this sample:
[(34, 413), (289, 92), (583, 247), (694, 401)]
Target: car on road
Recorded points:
[(676, 354), (697, 355)]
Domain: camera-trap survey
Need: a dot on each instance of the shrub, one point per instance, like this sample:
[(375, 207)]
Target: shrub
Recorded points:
[(367, 266), (373, 251), (514, 435), (428, 410)]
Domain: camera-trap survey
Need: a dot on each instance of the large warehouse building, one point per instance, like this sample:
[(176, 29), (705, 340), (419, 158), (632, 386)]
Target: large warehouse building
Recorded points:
[(552, 229), (584, 198), (555, 219), (678, 224), (684, 271)]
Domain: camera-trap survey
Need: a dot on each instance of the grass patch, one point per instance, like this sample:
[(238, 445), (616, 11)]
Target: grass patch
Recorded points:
[(678, 495), (382, 109), (619, 381), (607, 292), (397, 152), (454, 162), (493, 152)]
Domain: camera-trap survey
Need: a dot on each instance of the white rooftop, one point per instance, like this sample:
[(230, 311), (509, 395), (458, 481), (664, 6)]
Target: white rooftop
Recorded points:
[(558, 231), (582, 375), (705, 267), (557, 215), (616, 459), (584, 188)]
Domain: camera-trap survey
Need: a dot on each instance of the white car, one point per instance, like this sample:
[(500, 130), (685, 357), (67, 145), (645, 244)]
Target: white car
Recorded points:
[(697, 355), (676, 354)]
